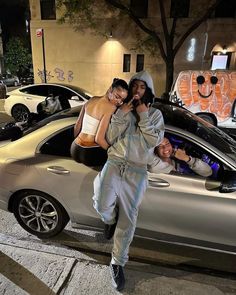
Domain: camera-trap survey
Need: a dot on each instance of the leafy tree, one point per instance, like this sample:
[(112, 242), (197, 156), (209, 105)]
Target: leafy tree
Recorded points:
[(17, 58), (164, 38)]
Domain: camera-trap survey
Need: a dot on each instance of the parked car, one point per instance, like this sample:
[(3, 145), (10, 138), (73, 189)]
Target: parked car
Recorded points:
[(45, 188), (10, 80), (27, 79), (25, 100)]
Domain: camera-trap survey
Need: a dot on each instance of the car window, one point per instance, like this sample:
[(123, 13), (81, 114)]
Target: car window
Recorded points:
[(190, 122), (195, 151), (61, 91), (59, 144), (63, 95), (42, 90)]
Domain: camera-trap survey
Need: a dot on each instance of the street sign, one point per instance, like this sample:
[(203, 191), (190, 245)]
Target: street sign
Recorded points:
[(39, 33)]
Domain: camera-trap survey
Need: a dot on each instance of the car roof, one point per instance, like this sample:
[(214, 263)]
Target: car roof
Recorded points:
[(73, 87), (180, 117)]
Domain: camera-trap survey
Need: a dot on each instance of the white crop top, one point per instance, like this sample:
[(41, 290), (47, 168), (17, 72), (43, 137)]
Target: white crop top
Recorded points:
[(90, 125)]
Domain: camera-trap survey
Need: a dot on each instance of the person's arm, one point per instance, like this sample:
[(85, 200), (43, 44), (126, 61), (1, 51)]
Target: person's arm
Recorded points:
[(151, 126), (119, 123), (100, 137), (197, 165), (78, 124)]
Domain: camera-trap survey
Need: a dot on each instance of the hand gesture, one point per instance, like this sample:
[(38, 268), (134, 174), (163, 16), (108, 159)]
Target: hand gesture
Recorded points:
[(181, 155), (127, 107), (141, 107)]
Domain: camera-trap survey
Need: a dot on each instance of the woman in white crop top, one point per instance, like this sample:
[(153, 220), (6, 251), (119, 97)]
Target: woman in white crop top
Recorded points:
[(90, 145)]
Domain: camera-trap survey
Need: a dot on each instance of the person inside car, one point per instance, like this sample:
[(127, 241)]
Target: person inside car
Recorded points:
[(168, 159), (90, 145)]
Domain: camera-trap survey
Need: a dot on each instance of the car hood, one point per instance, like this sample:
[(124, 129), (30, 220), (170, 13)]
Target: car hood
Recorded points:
[(4, 143)]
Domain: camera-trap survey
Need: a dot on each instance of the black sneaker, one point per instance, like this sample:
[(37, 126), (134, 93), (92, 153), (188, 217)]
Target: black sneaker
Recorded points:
[(109, 230), (117, 275)]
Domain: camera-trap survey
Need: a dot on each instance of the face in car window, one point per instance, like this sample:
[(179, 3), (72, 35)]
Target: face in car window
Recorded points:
[(188, 157)]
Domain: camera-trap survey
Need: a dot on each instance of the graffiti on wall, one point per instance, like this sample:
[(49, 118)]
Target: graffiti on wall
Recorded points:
[(208, 91), (60, 75), (41, 75)]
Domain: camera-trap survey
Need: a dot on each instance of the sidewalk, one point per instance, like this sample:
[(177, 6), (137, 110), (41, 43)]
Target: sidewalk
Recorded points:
[(36, 268)]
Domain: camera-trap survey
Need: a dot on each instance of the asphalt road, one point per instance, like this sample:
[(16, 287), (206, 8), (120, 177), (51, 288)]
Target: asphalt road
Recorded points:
[(194, 271)]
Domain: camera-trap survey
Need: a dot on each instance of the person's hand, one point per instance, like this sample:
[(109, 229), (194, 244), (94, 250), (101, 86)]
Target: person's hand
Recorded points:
[(127, 107), (141, 108), (181, 155)]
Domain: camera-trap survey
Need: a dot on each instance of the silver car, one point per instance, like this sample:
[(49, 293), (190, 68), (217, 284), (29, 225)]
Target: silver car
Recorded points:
[(45, 188), (10, 80)]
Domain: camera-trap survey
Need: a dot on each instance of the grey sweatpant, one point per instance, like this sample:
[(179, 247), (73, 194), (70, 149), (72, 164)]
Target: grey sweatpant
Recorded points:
[(120, 186)]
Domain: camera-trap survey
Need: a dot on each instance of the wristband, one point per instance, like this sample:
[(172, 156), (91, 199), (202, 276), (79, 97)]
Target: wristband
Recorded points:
[(189, 159)]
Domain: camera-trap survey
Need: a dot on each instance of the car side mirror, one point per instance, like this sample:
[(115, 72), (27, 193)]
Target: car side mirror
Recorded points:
[(228, 184), (75, 97), (234, 110)]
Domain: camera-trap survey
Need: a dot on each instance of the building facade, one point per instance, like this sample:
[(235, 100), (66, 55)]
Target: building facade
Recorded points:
[(91, 61)]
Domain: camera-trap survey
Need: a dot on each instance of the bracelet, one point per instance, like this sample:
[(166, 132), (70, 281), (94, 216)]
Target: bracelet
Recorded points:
[(189, 159)]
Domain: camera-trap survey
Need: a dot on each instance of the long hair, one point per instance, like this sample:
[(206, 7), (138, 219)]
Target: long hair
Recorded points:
[(119, 83)]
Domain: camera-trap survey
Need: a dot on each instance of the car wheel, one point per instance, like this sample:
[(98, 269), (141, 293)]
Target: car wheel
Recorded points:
[(39, 214), (20, 113), (207, 118)]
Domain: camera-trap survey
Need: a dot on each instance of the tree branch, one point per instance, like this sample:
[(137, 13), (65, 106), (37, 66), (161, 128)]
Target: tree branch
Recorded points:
[(195, 26), (140, 24), (163, 18)]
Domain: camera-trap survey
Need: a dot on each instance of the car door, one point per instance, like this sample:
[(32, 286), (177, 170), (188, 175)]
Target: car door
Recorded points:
[(33, 95), (189, 207), (68, 97), (68, 181)]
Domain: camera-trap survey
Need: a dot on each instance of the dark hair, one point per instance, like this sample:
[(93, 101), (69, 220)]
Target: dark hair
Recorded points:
[(119, 83), (148, 96)]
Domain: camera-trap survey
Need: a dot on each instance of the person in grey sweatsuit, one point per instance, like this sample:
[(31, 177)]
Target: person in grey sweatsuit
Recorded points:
[(135, 128)]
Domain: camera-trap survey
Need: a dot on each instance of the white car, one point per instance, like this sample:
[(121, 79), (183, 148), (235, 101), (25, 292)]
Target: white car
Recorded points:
[(25, 100), (45, 188)]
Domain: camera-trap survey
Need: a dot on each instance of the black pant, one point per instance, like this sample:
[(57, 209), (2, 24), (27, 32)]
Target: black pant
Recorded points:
[(89, 156)]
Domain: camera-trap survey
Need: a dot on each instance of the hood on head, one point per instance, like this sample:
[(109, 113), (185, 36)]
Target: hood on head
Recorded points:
[(145, 77)]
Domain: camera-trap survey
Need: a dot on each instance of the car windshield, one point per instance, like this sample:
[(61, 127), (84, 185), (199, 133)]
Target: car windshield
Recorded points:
[(181, 118)]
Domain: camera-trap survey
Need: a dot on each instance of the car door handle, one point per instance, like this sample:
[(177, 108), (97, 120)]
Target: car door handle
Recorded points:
[(158, 182), (30, 98), (57, 170)]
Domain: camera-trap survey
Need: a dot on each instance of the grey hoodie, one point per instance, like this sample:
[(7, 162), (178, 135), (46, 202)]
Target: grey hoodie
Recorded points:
[(145, 77), (131, 138)]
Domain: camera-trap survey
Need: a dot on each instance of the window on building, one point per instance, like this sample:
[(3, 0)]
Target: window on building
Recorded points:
[(179, 8), (139, 8), (220, 61), (126, 62), (48, 9), (140, 62), (226, 8)]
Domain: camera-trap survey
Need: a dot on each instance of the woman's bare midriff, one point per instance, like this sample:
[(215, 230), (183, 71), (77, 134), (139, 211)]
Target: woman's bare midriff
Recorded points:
[(86, 140)]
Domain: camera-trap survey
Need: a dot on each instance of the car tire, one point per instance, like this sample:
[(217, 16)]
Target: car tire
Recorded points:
[(20, 112), (39, 213)]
